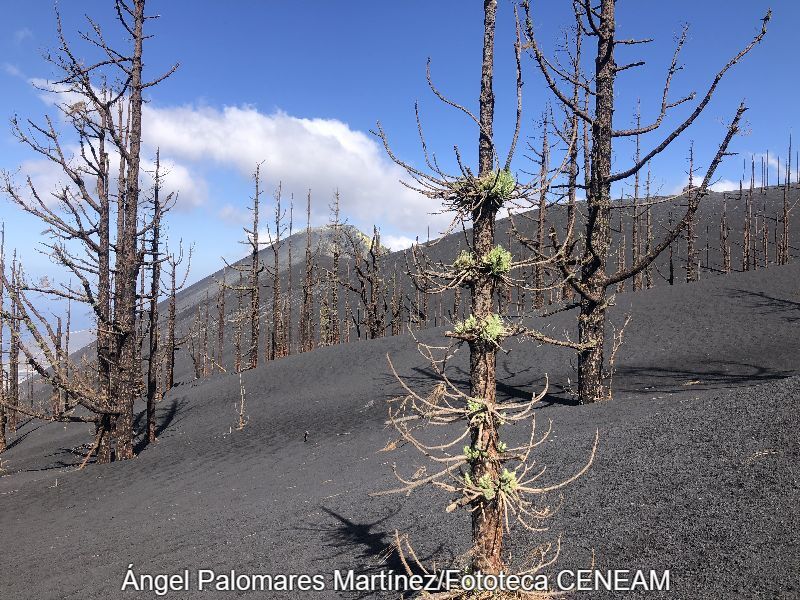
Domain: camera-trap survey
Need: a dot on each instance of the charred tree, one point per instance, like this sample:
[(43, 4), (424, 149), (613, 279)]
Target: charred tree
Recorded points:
[(155, 292), (541, 239), (3, 400), (691, 235), (221, 320), (105, 118), (277, 348), (724, 235), (481, 478), (172, 344), (588, 274), (307, 306)]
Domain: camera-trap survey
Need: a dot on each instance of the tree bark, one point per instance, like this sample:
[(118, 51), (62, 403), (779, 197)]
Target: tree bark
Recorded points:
[(487, 526), (155, 288), (128, 261), (592, 318)]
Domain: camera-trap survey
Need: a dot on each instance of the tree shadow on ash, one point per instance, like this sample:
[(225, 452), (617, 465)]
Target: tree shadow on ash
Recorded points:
[(770, 305), (164, 418), (20, 438), (368, 543), (556, 394), (62, 458), (705, 375), (422, 379)]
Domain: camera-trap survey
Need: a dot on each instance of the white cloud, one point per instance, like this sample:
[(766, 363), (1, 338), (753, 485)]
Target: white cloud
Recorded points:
[(189, 189), (724, 185), (12, 70), (396, 242), (321, 154), (47, 177), (234, 214), (20, 35), (721, 185)]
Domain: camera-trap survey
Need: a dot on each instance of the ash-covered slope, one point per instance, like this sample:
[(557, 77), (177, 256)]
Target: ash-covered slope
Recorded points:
[(320, 240), (697, 469), (766, 210)]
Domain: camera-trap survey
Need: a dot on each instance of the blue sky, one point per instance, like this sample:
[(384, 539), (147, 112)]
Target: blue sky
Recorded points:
[(300, 84)]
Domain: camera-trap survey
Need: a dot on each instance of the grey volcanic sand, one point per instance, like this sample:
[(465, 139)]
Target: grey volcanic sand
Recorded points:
[(696, 472)]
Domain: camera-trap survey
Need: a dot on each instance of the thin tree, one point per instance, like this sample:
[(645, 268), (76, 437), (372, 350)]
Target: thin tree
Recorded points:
[(482, 478), (692, 270), (277, 344), (221, 319), (3, 417), (541, 236), (14, 349), (172, 344), (289, 298), (636, 246), (159, 208), (648, 243), (307, 306), (724, 234), (253, 288), (333, 275), (238, 325), (370, 287)]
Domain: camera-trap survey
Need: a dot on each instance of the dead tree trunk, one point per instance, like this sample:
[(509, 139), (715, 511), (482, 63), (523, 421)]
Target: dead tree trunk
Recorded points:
[(221, 321), (636, 248), (13, 350), (621, 250), (724, 233), (648, 243), (591, 279), (334, 274), (289, 341), (3, 418), (155, 292), (691, 235), (487, 525), (277, 341), (172, 344), (127, 260), (255, 270), (238, 326), (538, 268), (307, 307)]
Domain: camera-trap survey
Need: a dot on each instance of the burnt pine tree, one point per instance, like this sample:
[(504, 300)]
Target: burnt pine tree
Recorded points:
[(277, 341), (587, 270), (172, 344), (3, 417), (107, 120), (289, 297), (14, 348), (493, 481), (221, 320), (253, 271), (369, 287), (307, 305), (692, 255), (159, 208)]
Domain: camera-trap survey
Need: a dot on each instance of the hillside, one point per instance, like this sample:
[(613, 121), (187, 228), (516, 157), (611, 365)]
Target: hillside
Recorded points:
[(697, 469)]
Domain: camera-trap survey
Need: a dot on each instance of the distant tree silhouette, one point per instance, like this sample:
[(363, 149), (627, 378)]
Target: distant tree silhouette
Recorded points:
[(172, 343), (307, 306)]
